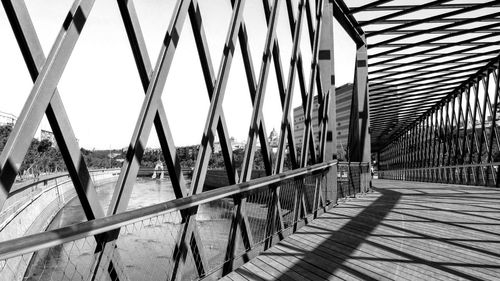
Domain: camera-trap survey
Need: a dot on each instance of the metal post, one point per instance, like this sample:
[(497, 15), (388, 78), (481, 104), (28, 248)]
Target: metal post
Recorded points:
[(327, 75), (360, 139)]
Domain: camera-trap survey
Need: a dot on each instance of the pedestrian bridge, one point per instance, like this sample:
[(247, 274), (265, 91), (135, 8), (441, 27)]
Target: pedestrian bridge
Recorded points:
[(423, 112), (400, 231)]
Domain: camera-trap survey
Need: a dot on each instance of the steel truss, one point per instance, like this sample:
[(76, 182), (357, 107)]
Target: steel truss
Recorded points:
[(44, 98), (420, 54), (457, 141)]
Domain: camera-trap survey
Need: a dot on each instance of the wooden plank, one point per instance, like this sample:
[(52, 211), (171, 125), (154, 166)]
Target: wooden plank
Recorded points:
[(406, 231), (425, 251), (338, 260), (387, 271), (253, 270), (234, 276), (295, 264), (271, 270), (397, 266), (292, 274), (324, 263)]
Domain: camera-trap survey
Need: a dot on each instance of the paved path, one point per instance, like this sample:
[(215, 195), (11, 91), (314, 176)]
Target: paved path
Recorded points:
[(403, 231)]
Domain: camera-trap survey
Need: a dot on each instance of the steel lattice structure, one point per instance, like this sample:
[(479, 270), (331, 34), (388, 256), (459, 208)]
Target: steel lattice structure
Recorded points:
[(421, 53), (433, 80), (45, 99)]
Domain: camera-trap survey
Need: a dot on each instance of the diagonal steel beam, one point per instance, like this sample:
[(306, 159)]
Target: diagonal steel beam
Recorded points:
[(445, 36), (314, 69), (34, 57), (38, 102), (402, 12), (150, 112), (136, 40), (407, 24), (253, 132)]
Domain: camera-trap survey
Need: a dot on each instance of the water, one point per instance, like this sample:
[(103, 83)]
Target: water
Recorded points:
[(145, 249), (146, 192)]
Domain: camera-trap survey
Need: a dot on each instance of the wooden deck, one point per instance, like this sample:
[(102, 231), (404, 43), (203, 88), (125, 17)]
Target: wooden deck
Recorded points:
[(402, 231)]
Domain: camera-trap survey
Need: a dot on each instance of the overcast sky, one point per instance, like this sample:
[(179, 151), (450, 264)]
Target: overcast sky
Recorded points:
[(101, 88)]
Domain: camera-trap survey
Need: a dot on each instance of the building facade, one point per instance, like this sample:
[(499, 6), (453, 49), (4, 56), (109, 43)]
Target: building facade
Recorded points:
[(7, 119), (343, 96)]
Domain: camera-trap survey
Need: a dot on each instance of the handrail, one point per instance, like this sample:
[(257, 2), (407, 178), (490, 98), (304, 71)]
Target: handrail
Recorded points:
[(20, 189), (26, 204), (445, 167), (19, 208), (35, 242)]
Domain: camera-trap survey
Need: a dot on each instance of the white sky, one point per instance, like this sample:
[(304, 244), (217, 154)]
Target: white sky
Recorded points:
[(101, 89)]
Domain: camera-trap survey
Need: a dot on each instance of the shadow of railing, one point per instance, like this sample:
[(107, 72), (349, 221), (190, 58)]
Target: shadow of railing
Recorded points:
[(379, 209), (337, 247)]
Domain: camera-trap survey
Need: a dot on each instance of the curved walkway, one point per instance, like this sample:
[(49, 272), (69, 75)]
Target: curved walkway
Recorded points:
[(402, 231)]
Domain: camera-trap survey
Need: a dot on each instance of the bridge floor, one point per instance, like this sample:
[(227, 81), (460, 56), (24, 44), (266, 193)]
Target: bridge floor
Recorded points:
[(402, 231)]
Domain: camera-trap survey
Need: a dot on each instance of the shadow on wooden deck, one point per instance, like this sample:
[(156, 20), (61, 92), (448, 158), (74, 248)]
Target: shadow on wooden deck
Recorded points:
[(418, 234)]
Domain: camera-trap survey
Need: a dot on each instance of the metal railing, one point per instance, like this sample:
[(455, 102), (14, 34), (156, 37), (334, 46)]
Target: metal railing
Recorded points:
[(471, 174), (24, 195), (352, 178), (273, 207)]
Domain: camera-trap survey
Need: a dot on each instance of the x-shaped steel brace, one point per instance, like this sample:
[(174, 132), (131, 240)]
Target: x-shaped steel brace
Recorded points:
[(40, 100), (241, 218), (136, 39)]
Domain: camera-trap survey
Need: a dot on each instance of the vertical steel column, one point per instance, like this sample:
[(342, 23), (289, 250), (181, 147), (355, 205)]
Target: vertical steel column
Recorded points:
[(326, 66), (454, 131), (493, 127), (451, 153), (360, 143), (483, 139), (404, 151), (414, 146), (448, 134), (423, 163), (465, 147), (446, 154), (425, 155), (409, 142), (432, 145), (410, 149), (423, 147), (418, 149), (437, 134), (473, 141), (442, 142), (458, 146), (428, 141), (408, 153)]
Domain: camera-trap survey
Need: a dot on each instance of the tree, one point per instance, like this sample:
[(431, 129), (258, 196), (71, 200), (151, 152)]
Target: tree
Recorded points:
[(44, 146), (4, 135)]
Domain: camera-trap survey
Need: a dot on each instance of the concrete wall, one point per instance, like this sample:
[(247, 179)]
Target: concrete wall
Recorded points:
[(31, 211), (41, 202)]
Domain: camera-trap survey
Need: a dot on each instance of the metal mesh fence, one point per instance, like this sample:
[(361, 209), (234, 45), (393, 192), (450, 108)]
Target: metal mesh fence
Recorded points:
[(144, 251), (474, 174), (352, 178), (149, 249)]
